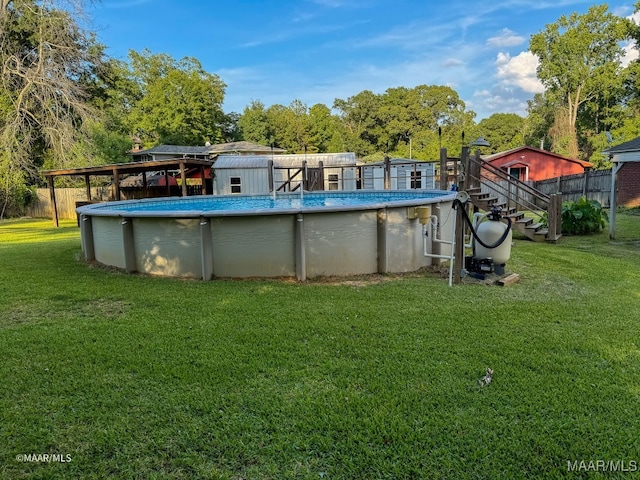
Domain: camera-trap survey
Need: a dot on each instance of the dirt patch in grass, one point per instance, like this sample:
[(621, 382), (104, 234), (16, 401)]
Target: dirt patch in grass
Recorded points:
[(98, 309), (104, 308), (377, 278)]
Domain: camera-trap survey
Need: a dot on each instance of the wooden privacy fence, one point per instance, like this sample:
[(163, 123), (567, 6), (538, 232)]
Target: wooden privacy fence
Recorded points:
[(594, 184), (66, 199)]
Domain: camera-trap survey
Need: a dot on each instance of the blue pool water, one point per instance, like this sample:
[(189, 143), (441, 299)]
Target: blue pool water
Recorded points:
[(248, 204)]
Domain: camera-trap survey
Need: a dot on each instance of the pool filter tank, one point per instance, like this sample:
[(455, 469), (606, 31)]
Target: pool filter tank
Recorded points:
[(491, 244)]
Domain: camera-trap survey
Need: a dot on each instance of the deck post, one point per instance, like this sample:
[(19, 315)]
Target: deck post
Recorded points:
[(463, 173), (87, 182), (116, 182), (183, 180), (270, 173), (387, 173), (444, 173), (54, 206), (204, 180), (145, 185), (551, 218)]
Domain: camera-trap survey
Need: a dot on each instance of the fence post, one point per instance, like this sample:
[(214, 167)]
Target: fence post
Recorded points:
[(444, 173), (585, 186), (387, 173), (54, 206), (475, 172), (458, 259)]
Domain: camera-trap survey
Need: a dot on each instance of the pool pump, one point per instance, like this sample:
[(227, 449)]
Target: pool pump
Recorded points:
[(491, 244)]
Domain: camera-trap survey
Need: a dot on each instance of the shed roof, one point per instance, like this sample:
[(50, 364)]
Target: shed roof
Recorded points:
[(221, 148), (241, 161), (290, 160), (396, 161)]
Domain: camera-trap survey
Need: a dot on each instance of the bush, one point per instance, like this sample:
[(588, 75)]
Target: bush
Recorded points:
[(583, 217)]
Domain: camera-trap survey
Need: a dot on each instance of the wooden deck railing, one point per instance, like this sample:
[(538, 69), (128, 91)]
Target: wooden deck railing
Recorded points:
[(478, 173)]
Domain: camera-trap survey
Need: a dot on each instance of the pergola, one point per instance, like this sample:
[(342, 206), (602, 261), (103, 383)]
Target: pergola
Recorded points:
[(116, 170)]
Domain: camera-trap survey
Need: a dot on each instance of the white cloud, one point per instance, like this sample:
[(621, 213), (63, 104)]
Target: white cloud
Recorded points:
[(630, 54), (506, 38), (519, 71), (452, 62), (630, 50)]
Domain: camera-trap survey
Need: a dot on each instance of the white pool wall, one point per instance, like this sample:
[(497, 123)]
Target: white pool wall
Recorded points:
[(296, 244)]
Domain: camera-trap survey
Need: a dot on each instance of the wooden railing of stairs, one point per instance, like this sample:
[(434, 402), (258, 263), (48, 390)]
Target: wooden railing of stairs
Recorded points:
[(523, 204)]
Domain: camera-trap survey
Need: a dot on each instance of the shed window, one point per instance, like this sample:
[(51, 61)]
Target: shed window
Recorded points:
[(236, 184), (333, 181)]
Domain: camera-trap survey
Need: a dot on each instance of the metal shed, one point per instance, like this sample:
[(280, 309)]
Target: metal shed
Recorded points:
[(262, 174), (403, 174)]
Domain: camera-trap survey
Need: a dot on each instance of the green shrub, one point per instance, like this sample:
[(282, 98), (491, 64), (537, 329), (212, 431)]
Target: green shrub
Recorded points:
[(583, 217)]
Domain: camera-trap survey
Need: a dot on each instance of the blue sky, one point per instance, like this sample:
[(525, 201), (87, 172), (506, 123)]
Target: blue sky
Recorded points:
[(277, 51)]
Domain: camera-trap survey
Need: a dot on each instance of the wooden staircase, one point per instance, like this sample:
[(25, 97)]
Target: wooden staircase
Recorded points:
[(489, 187), (527, 226)]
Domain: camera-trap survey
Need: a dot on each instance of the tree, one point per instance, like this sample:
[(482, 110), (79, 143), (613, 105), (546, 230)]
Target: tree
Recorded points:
[(229, 128), (176, 102), (579, 58), (539, 119), (45, 58), (402, 119), (324, 131), (282, 128), (503, 131), (254, 124), (359, 118)]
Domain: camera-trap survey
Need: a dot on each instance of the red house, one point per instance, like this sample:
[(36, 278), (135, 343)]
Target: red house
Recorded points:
[(531, 164)]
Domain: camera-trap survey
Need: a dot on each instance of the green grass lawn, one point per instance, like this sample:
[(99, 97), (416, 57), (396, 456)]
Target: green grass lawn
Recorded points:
[(128, 376)]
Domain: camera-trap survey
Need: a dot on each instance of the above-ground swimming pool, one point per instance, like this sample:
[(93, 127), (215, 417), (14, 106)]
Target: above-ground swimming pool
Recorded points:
[(291, 235)]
